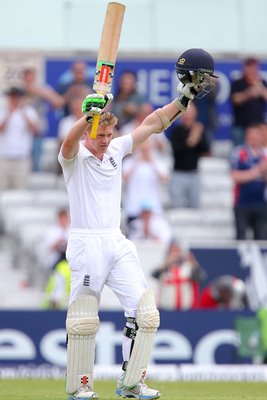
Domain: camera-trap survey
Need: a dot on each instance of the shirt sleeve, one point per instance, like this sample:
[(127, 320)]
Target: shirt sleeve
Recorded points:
[(123, 144), (67, 164), (64, 161)]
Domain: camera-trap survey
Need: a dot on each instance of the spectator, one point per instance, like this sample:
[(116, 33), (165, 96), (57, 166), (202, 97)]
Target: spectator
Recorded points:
[(57, 289), (264, 137), (249, 97), (143, 175), (127, 99), (77, 85), (226, 292), (207, 112), (150, 226), (55, 240), (249, 168), (179, 279), (160, 142), (66, 122), (19, 123), (39, 97), (189, 144)]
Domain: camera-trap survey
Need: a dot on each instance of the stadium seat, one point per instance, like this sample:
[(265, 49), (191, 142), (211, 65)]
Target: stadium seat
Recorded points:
[(52, 198), (42, 180), (217, 199), (214, 182), (14, 217), (202, 224), (151, 254), (213, 165), (16, 198), (207, 234), (30, 233), (196, 217), (184, 216), (49, 155)]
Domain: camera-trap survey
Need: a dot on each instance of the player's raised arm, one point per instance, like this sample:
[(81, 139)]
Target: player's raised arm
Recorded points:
[(194, 68), (92, 105), (162, 118)]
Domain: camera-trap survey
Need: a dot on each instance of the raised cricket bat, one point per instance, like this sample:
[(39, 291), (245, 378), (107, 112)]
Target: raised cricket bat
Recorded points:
[(107, 54)]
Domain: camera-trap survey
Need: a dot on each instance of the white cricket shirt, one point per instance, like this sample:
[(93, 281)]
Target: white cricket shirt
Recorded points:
[(94, 186)]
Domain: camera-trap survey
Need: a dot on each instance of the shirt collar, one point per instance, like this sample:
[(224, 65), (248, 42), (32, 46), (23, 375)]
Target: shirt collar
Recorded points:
[(90, 154)]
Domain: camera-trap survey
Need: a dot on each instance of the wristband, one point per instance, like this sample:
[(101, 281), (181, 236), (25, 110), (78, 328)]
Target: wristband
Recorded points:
[(181, 103), (89, 119), (164, 119)]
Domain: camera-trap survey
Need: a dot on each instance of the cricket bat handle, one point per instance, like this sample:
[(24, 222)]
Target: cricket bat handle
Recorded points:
[(95, 124)]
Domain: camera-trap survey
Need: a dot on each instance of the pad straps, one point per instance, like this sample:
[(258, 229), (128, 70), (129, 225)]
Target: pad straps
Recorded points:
[(131, 334)]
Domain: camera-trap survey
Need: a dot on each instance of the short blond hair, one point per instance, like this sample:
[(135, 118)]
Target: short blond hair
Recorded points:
[(107, 119)]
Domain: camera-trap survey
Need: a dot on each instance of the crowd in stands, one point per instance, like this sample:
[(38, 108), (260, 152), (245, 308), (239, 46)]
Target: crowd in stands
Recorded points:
[(181, 287), (170, 161)]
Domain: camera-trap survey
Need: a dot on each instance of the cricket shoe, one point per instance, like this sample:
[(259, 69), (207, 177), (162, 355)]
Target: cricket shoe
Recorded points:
[(84, 393), (140, 391)]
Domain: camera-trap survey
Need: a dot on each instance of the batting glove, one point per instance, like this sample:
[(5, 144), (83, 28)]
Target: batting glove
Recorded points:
[(94, 103), (186, 92)]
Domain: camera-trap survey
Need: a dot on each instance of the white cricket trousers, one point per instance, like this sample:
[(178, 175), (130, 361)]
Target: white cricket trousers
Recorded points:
[(105, 257)]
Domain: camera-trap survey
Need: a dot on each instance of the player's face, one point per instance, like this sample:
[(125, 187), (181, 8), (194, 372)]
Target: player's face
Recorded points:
[(100, 144), (103, 139)]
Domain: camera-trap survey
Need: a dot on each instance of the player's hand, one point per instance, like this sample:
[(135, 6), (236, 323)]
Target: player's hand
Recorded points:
[(189, 90), (94, 103), (186, 92), (197, 82)]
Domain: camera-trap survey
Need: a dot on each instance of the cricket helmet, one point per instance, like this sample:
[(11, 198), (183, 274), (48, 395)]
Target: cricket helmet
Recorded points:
[(196, 60)]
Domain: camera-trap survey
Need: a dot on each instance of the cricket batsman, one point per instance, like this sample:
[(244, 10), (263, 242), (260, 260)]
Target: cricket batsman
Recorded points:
[(98, 253)]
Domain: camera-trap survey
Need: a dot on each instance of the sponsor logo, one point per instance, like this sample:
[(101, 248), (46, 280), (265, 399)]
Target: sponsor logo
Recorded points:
[(169, 346), (181, 61), (84, 380), (104, 74)]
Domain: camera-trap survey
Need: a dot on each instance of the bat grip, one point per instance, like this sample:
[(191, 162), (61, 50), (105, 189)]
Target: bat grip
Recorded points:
[(95, 124)]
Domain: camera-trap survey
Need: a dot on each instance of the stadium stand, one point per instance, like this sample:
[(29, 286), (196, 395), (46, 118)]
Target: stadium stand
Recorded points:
[(24, 215), (49, 161), (214, 220)]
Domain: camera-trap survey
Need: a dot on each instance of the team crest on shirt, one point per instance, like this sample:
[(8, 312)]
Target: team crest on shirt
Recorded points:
[(86, 280), (113, 163)]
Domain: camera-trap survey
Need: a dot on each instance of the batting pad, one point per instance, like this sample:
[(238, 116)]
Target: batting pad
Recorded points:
[(82, 323), (147, 318)]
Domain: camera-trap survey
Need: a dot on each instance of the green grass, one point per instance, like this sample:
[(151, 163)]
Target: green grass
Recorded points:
[(54, 390)]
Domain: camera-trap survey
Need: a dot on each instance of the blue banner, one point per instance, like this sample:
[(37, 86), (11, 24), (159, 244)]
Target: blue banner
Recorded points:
[(217, 262), (34, 338), (157, 80)]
